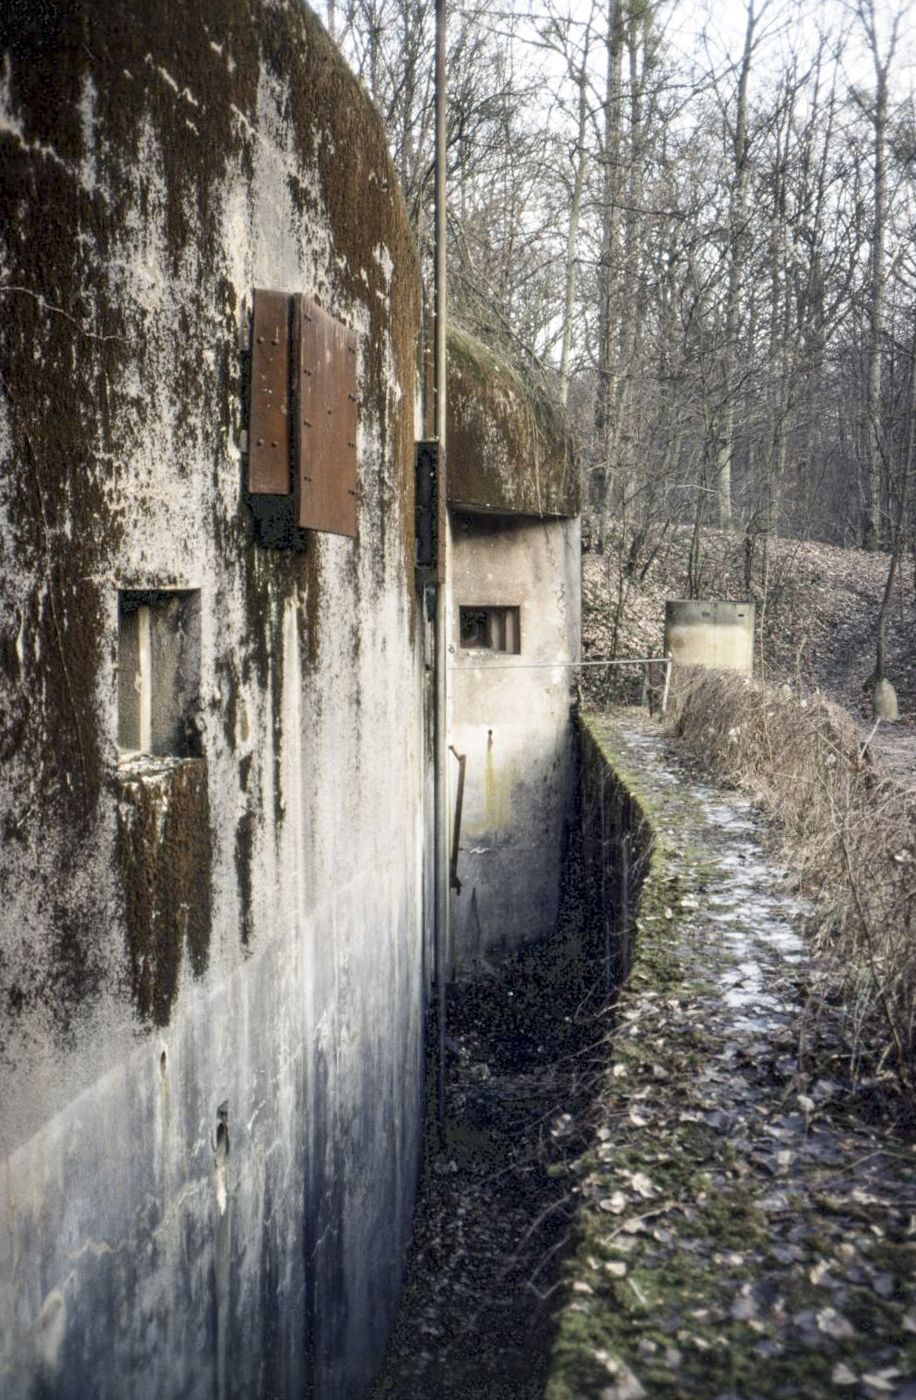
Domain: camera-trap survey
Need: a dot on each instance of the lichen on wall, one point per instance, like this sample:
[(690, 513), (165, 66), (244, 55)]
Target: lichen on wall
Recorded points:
[(128, 257)]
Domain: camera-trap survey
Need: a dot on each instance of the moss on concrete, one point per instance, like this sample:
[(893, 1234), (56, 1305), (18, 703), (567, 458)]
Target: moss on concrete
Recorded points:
[(121, 301), (165, 857), (510, 448)]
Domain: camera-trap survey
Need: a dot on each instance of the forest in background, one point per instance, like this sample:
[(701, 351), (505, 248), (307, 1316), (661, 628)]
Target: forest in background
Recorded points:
[(697, 229)]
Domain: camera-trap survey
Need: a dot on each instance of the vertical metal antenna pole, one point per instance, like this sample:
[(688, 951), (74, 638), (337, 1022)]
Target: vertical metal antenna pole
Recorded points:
[(441, 853)]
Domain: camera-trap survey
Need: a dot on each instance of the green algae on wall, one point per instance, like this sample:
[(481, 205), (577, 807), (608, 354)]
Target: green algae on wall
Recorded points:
[(622, 858)]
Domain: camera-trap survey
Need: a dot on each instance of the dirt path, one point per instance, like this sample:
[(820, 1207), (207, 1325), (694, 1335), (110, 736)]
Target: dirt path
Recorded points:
[(749, 1228), (494, 1216)]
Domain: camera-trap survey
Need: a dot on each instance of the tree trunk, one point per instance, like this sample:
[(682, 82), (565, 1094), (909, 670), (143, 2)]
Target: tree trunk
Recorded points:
[(608, 316), (573, 234), (736, 260), (871, 523), (900, 524)]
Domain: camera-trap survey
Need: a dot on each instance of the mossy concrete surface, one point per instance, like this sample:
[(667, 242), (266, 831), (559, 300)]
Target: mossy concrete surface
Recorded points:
[(510, 448), (746, 1229), (212, 973)]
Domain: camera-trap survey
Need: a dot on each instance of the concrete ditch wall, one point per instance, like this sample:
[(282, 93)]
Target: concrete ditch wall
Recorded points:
[(212, 961), (618, 841)]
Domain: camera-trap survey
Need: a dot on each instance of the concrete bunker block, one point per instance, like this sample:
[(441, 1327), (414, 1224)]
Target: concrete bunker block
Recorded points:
[(710, 632), (884, 701)]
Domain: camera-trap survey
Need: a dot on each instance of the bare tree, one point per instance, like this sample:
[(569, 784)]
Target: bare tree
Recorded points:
[(874, 106)]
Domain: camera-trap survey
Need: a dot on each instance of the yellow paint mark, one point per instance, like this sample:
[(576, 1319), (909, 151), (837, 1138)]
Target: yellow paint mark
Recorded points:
[(496, 791)]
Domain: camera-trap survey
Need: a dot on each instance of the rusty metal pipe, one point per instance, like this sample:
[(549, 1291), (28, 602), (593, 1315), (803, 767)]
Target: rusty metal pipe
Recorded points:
[(441, 938), (454, 882)]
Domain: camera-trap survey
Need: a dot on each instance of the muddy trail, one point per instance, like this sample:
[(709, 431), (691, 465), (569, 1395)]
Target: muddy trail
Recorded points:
[(696, 1201)]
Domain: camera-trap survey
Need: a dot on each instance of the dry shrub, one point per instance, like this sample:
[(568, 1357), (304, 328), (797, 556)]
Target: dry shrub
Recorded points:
[(848, 832)]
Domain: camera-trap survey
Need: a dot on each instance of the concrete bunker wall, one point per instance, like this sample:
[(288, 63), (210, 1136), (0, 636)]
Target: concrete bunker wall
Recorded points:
[(514, 629), (510, 447), (213, 962), (511, 718)]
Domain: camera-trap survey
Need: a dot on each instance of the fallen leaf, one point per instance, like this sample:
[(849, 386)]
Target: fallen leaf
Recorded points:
[(615, 1204), (626, 1387), (834, 1324), (841, 1375), (864, 1198), (881, 1380), (773, 1204)]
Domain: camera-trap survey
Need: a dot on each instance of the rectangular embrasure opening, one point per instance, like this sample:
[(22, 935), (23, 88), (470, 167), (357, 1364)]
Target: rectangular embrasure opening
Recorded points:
[(486, 628), (158, 671)]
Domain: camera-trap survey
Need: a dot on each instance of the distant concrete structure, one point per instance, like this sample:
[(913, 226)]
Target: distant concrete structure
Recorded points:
[(515, 548), (884, 702), (710, 632)]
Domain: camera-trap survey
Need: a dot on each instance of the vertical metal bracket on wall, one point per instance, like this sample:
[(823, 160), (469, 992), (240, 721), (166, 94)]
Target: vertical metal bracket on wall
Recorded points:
[(454, 882)]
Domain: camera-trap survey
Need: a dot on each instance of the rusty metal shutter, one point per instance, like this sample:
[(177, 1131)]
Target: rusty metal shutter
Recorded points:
[(326, 421), (269, 432)]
